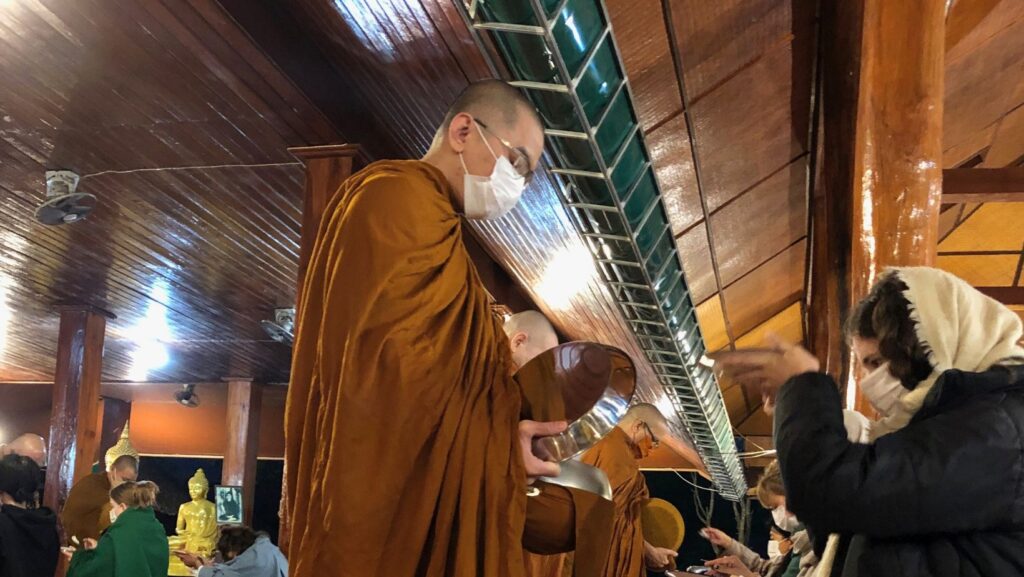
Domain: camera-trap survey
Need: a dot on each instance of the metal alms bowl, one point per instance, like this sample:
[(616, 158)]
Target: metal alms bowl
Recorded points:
[(589, 385)]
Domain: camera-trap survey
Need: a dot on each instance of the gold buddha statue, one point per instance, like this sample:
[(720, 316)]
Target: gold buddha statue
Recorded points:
[(197, 526)]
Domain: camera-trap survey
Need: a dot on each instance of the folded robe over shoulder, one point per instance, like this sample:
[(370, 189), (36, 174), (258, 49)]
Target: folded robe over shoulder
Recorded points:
[(614, 455), (401, 420)]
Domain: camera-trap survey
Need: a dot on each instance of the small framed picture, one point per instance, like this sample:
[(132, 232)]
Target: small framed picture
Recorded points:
[(229, 505)]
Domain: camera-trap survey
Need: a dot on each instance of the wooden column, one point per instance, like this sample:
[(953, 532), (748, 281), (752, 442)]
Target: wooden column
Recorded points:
[(327, 167), (245, 399), (74, 418), (115, 416), (882, 154)]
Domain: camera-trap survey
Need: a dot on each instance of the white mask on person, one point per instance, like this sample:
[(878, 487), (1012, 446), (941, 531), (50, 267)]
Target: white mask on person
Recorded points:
[(113, 516), (774, 549), (882, 389), (784, 520), (490, 197)]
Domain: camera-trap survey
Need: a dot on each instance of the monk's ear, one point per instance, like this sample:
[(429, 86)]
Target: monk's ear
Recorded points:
[(459, 130), (518, 340)]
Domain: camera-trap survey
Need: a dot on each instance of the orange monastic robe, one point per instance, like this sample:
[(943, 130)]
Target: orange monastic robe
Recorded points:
[(402, 454), (614, 455)]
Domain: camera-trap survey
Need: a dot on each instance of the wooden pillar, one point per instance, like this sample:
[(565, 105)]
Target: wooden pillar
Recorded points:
[(74, 418), (327, 167), (245, 399), (115, 416), (881, 177)]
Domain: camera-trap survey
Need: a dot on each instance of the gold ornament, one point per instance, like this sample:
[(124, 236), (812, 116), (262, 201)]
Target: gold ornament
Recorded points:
[(120, 449)]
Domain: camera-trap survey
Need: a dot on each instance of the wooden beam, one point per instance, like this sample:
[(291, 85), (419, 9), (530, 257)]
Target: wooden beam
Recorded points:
[(115, 416), (326, 168), (983, 185), (1008, 295), (245, 400), (75, 413), (880, 154)]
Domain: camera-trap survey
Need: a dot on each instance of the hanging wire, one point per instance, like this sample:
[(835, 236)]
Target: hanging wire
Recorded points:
[(176, 168)]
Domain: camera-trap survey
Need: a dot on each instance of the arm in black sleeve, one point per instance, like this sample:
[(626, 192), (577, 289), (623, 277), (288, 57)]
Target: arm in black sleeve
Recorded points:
[(957, 471)]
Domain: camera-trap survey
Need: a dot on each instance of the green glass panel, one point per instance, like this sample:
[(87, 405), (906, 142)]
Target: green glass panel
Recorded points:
[(549, 6), (628, 169), (594, 191), (645, 194), (577, 28), (662, 252), (576, 154), (651, 231), (615, 127), (608, 223), (671, 271), (509, 11), (599, 81), (677, 294)]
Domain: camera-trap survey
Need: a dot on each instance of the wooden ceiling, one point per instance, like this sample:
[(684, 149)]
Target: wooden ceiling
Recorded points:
[(191, 260)]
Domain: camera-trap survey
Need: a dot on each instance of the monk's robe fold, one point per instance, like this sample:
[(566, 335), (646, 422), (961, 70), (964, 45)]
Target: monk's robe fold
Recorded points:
[(86, 511), (401, 420), (564, 519), (614, 455)]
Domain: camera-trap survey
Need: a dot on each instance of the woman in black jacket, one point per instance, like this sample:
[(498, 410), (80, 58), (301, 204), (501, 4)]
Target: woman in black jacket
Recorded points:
[(941, 489), (29, 545)]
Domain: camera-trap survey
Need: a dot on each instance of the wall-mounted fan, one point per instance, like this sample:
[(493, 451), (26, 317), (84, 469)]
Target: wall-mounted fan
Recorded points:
[(63, 204), (187, 396), (282, 328)]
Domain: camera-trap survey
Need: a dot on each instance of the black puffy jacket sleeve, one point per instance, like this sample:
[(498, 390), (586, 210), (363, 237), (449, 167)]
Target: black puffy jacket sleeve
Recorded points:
[(956, 471)]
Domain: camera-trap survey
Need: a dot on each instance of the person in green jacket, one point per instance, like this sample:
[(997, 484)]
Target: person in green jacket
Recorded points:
[(134, 545)]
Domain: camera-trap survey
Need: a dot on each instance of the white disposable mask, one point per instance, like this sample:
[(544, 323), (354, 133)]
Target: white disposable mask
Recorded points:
[(784, 520), (774, 549), (490, 197), (113, 516), (882, 389)]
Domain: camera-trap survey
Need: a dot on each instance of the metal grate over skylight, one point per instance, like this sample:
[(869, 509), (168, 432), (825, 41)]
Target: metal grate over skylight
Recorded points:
[(562, 54)]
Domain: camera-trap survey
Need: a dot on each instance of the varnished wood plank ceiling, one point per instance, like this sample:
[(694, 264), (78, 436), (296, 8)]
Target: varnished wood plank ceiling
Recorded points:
[(204, 254)]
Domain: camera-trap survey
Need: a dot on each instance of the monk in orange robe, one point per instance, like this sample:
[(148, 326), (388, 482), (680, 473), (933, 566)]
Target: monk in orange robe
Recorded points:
[(618, 455), (559, 519), (404, 446)]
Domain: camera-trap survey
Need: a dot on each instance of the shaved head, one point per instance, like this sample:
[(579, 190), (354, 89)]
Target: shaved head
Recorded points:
[(495, 102), (27, 445), (647, 414), (529, 334)]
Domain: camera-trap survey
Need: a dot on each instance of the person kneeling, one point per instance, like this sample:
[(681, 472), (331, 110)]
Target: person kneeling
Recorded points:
[(245, 554)]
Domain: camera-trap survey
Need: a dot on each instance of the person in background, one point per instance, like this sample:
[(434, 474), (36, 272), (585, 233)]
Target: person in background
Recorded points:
[(29, 542), (86, 512), (789, 550), (939, 492), (529, 334), (244, 554), (134, 545), (27, 445)]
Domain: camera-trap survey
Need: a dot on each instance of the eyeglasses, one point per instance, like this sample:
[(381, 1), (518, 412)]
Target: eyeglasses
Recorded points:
[(520, 159), (650, 433)]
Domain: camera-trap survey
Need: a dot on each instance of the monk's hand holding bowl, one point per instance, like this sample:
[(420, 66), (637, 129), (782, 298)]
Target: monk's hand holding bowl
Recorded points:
[(768, 368), (535, 466)]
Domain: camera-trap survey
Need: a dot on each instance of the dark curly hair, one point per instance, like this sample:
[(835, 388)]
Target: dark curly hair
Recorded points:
[(885, 315), (235, 539), (19, 478)]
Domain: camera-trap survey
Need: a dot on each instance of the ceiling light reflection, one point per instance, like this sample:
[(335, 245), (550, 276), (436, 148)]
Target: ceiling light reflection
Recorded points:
[(150, 335), (568, 272)]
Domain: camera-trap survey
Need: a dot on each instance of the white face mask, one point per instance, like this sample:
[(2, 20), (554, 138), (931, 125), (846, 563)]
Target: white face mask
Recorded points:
[(882, 389), (774, 549), (490, 197), (784, 520), (113, 516)]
